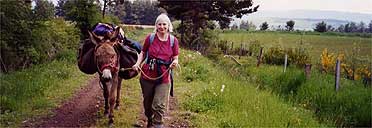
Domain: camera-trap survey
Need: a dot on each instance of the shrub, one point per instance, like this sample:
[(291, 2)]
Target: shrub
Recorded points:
[(275, 55), (297, 56)]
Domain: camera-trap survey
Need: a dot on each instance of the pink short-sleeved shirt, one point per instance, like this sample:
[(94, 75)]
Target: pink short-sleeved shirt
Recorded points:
[(159, 50)]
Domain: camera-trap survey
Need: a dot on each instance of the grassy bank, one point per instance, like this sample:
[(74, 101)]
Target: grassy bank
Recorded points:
[(37, 90), (215, 98)]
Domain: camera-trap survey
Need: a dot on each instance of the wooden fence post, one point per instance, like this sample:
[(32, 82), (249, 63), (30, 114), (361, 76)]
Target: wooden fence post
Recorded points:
[(232, 48), (259, 57), (226, 46), (337, 75), (285, 62), (307, 70), (240, 51)]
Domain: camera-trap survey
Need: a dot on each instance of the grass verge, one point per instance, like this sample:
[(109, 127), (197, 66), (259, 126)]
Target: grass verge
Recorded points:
[(35, 91)]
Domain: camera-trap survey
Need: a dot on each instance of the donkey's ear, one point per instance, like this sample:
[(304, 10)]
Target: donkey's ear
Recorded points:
[(94, 38)]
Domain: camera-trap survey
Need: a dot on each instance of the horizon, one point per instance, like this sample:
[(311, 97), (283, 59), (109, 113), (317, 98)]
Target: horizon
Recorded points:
[(352, 6)]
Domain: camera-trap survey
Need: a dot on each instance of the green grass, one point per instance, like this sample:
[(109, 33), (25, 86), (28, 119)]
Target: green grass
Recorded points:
[(37, 90), (240, 104), (315, 43), (131, 105), (350, 106)]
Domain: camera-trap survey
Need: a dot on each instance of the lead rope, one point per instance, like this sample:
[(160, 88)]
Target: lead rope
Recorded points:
[(151, 78)]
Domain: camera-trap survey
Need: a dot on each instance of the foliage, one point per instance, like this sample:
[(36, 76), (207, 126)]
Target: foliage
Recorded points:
[(276, 55), (194, 15), (16, 30), (290, 25), (254, 48), (84, 12), (247, 25), (321, 27), (44, 10), (32, 38), (136, 12), (264, 26)]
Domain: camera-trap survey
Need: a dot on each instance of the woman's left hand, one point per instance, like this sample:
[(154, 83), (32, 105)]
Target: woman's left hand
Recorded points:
[(174, 64)]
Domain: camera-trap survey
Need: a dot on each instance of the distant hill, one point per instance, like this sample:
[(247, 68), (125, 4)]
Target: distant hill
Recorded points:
[(304, 19)]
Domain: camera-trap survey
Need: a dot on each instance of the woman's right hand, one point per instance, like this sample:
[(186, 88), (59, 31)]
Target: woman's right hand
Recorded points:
[(135, 67)]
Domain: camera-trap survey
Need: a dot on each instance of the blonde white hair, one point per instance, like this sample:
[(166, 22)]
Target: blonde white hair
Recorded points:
[(164, 18)]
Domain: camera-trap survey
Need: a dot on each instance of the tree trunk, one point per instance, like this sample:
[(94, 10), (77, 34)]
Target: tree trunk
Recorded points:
[(104, 8), (182, 31)]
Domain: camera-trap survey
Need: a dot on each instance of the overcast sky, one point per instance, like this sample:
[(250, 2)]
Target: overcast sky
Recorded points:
[(362, 6)]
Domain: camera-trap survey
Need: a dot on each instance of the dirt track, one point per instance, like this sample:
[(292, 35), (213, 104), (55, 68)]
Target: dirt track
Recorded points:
[(82, 109), (79, 111)]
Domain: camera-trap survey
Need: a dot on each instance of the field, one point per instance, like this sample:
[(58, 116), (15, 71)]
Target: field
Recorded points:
[(315, 43)]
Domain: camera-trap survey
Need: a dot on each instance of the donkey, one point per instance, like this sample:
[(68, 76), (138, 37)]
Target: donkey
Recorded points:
[(107, 60)]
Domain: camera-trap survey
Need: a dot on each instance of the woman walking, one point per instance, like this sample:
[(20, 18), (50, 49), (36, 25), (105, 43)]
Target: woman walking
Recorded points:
[(159, 54)]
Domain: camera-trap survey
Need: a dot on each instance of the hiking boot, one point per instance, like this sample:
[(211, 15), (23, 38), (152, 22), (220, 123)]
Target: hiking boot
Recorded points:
[(149, 124), (158, 126)]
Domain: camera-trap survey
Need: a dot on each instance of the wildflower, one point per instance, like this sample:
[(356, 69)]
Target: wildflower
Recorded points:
[(222, 88), (189, 55), (197, 52), (215, 94)]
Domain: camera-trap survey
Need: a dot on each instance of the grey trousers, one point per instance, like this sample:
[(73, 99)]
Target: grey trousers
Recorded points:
[(155, 99)]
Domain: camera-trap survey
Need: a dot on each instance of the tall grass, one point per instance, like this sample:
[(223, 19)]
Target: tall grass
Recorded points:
[(36, 90), (350, 106)]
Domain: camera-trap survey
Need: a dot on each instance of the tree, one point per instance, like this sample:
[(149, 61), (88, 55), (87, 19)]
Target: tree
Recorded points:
[(290, 25), (370, 27), (351, 27), (110, 4), (361, 27), (244, 25), (330, 28), (136, 12), (16, 32), (341, 28), (84, 12), (251, 26), (197, 13), (321, 27), (264, 26), (235, 26), (44, 10)]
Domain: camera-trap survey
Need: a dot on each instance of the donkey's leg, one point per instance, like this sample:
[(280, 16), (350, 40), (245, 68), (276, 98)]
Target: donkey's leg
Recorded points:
[(112, 95), (117, 105), (105, 96)]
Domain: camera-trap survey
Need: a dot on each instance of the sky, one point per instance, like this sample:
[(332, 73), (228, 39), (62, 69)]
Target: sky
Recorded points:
[(360, 6)]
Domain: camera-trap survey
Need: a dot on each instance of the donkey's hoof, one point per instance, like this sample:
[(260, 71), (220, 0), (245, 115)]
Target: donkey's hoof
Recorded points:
[(117, 107), (111, 123), (106, 114)]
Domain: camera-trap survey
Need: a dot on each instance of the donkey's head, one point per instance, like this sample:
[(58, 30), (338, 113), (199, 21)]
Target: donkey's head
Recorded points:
[(106, 56)]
